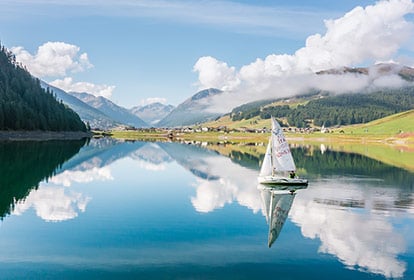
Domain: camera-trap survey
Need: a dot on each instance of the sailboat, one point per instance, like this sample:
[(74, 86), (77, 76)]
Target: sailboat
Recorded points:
[(278, 167)]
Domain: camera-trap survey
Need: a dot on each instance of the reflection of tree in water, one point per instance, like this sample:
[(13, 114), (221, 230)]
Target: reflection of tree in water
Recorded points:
[(245, 159), (343, 164), (23, 164), (332, 163)]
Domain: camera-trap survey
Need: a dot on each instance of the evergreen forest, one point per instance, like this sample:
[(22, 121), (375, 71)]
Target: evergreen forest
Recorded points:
[(333, 110), (25, 105)]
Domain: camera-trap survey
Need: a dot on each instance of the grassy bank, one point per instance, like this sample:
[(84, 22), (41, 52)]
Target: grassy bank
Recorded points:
[(38, 135)]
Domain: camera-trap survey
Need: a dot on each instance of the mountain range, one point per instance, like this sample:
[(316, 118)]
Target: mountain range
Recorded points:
[(115, 112), (87, 113)]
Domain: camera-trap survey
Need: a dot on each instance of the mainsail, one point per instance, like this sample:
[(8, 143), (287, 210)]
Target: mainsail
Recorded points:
[(282, 157)]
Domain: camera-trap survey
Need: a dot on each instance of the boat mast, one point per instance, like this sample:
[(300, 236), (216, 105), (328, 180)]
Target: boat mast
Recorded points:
[(271, 154)]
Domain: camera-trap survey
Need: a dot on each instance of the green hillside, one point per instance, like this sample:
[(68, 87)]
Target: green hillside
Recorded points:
[(323, 108), (395, 124), (25, 105)]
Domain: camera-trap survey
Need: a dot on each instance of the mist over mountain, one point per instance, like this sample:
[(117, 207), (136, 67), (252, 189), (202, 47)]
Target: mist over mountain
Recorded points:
[(152, 113), (193, 110), (377, 72), (115, 112), (339, 80)]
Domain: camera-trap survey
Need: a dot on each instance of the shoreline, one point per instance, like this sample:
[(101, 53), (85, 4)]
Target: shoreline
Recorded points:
[(38, 135), (406, 140)]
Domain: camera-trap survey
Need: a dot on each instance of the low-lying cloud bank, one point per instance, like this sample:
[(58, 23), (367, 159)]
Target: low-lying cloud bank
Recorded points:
[(363, 35)]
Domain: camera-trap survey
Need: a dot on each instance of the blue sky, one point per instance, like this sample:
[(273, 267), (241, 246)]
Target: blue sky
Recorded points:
[(132, 50)]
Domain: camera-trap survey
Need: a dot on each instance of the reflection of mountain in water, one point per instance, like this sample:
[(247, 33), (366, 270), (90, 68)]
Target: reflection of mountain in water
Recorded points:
[(101, 152), (245, 159), (342, 164), (151, 153), (193, 158), (24, 164)]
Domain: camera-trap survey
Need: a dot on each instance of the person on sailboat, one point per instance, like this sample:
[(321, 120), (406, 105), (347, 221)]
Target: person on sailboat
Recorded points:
[(292, 175)]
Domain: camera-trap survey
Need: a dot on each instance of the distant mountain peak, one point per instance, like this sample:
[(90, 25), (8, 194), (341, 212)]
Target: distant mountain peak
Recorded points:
[(152, 113), (192, 111), (205, 93)]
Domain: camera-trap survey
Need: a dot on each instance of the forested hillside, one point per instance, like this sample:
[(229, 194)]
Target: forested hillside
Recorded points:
[(335, 110), (25, 105)]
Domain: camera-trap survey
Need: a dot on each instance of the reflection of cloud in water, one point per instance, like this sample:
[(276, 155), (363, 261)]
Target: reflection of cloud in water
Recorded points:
[(351, 219), (362, 239), (53, 204), (212, 194), (231, 182), (93, 174), (150, 166)]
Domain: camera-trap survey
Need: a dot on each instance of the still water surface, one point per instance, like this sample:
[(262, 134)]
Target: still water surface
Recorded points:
[(116, 210)]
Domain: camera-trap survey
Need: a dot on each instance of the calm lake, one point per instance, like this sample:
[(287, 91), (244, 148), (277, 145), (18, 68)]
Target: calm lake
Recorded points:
[(106, 209)]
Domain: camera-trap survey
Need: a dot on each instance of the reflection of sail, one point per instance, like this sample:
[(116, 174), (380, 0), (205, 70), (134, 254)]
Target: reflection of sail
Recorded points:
[(281, 204), (276, 205)]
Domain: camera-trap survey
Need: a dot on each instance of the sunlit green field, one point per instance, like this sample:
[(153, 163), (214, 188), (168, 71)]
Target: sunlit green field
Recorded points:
[(391, 125)]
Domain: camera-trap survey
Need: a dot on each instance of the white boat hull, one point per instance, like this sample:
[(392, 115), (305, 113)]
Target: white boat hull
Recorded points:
[(271, 180)]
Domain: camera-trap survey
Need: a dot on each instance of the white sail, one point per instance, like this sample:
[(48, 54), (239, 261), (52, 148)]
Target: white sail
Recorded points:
[(266, 169), (282, 159)]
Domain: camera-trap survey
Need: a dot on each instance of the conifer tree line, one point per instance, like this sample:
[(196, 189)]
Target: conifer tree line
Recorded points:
[(343, 109), (25, 105)]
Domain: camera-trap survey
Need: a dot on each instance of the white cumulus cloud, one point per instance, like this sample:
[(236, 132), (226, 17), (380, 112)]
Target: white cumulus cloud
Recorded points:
[(53, 59), (215, 74), (67, 84)]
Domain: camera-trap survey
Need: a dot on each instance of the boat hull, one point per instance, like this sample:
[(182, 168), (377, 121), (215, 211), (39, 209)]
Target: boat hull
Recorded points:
[(270, 180)]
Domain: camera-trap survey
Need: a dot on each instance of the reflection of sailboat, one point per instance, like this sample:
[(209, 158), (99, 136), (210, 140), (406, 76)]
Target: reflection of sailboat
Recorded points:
[(278, 161), (276, 205)]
